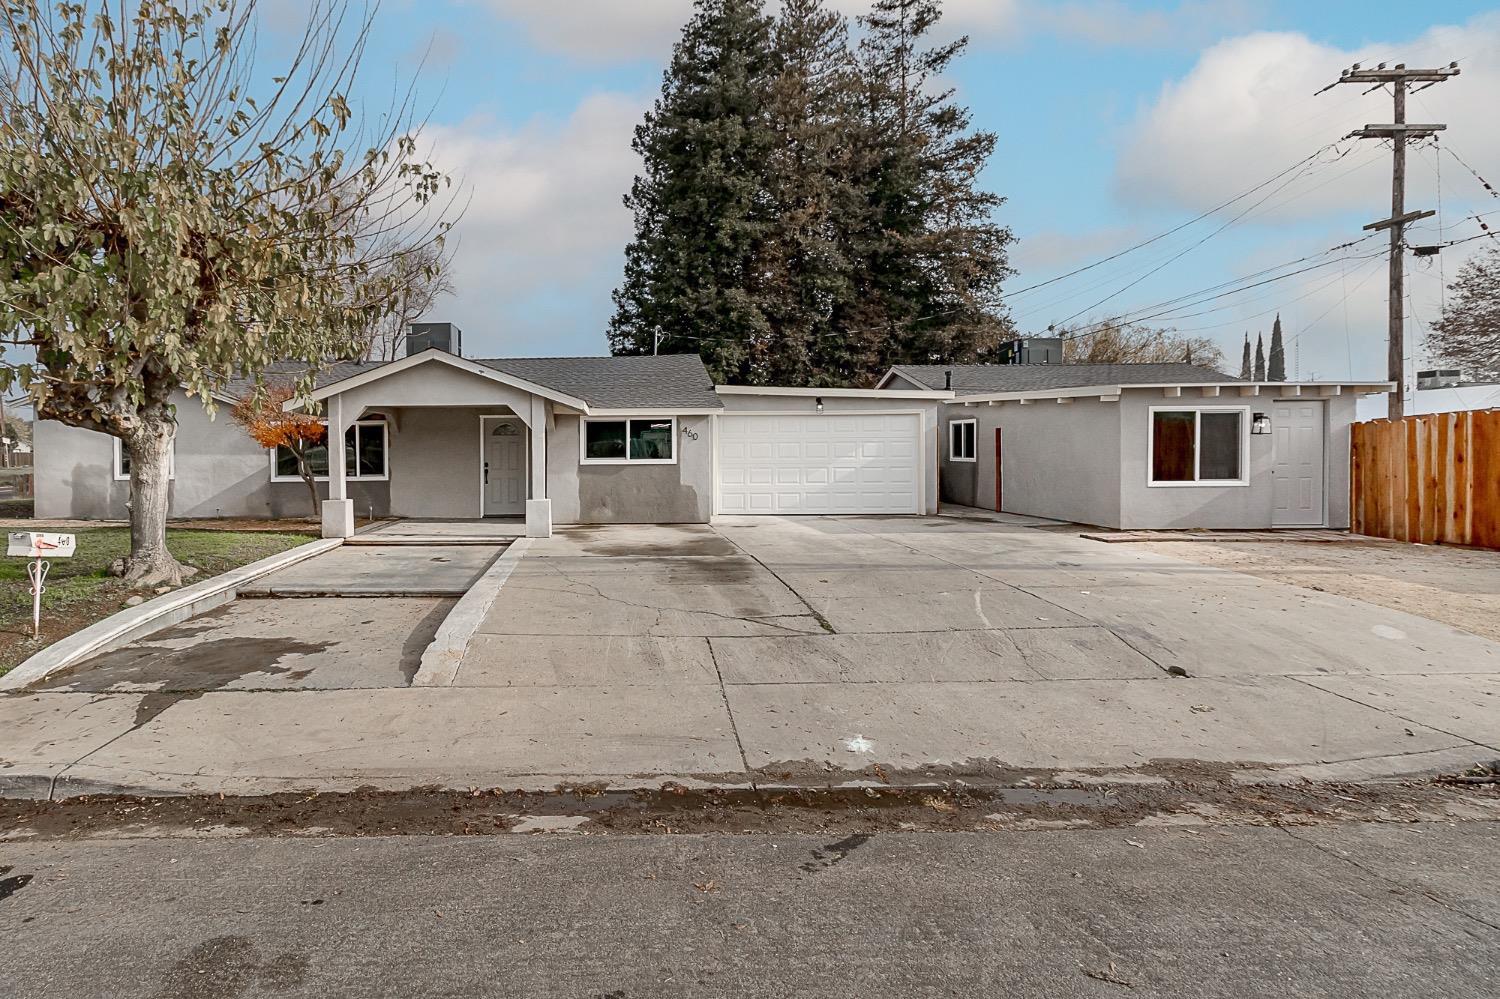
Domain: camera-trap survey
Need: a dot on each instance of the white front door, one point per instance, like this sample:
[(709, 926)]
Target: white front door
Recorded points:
[(819, 464), (504, 472), (1298, 465)]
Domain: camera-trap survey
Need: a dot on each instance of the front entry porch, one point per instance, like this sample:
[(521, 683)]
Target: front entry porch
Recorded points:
[(464, 442)]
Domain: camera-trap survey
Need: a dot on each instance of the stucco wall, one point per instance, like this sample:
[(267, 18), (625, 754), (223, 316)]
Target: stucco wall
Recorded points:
[(1059, 461), (434, 461), (631, 494), (1147, 507), (219, 472), (928, 410)]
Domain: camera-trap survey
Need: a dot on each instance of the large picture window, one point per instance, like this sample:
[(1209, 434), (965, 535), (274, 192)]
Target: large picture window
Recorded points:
[(961, 440), (1193, 446), (365, 447), (636, 439)]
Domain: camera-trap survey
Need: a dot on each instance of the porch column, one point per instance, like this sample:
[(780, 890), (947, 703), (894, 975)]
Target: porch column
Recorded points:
[(538, 506), (338, 508)]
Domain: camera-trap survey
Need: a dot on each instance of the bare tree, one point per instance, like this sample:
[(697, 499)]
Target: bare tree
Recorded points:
[(174, 218), (1468, 334), (1139, 345), (412, 282)]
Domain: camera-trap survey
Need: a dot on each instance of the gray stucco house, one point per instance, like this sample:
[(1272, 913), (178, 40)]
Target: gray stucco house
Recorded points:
[(567, 440), (601, 440), (1143, 446)]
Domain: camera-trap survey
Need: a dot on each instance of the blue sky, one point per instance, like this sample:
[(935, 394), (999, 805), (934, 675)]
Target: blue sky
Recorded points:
[(1117, 120)]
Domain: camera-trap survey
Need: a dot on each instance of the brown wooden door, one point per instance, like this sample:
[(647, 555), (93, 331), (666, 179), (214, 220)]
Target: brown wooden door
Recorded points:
[(998, 466)]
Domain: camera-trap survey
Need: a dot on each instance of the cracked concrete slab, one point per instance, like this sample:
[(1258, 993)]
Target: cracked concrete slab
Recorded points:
[(1465, 705), (1084, 723), (1274, 629), (636, 596), (585, 661), (923, 600), (44, 733), (424, 735), (381, 570), (633, 541), (1064, 653), (320, 642)]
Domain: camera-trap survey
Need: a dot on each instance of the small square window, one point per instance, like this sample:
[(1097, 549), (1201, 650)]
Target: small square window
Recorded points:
[(961, 434), (604, 439)]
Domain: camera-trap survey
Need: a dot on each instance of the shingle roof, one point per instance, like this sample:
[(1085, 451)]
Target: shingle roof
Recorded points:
[(668, 381), (975, 379)]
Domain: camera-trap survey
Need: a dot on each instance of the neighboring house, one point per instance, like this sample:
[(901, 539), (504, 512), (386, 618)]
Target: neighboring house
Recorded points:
[(1143, 446), (569, 440), (1446, 399)]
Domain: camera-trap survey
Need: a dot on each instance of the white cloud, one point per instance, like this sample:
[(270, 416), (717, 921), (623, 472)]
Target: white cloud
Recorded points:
[(623, 30), (1247, 111), (545, 220)]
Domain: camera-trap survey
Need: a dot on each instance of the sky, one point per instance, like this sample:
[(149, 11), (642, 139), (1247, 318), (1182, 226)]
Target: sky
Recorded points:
[(1118, 120)]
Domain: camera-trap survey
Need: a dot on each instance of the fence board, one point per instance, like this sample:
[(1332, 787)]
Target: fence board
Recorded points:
[(1433, 478)]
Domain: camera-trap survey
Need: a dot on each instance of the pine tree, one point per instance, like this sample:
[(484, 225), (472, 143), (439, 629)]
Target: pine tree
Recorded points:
[(1276, 370), (691, 271), (810, 186), (1245, 369), (930, 259), (1260, 358)]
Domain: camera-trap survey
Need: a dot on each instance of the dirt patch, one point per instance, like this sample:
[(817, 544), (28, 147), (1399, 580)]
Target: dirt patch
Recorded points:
[(1459, 587), (847, 815)]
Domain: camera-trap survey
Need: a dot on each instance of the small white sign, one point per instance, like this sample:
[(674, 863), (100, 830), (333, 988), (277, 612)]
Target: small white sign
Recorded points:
[(36, 544)]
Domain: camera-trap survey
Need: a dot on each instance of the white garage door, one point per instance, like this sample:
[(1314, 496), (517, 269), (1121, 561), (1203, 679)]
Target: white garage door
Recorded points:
[(828, 463)]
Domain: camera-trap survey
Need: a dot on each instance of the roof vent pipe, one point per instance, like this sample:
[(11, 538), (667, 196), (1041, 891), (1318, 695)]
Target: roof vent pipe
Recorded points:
[(948, 380)]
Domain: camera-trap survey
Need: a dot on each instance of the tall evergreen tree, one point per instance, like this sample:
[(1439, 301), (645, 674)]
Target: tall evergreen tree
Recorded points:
[(806, 265), (691, 272), (1276, 368), (930, 259), (1245, 369), (1260, 358)]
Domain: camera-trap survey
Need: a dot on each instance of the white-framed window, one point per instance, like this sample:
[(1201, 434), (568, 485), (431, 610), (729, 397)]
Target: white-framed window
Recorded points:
[(122, 460), (1201, 446), (961, 440), (366, 450), (628, 440)]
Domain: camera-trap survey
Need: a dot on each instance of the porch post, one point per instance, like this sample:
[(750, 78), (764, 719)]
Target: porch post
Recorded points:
[(338, 508), (538, 506)]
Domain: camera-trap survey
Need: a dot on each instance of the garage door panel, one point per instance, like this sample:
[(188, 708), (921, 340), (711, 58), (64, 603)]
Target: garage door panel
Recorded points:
[(832, 463)]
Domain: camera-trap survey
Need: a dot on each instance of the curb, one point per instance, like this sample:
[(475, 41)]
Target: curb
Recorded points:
[(125, 626), (442, 658)]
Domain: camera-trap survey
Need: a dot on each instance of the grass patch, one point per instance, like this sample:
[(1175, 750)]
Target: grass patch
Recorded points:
[(79, 592)]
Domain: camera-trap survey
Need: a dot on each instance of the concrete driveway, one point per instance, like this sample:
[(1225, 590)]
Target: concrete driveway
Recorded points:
[(784, 650)]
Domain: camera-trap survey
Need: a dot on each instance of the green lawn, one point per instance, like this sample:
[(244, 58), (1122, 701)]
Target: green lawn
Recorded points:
[(80, 593)]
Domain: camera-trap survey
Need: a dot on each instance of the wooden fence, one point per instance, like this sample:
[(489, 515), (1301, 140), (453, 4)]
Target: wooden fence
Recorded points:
[(1433, 479)]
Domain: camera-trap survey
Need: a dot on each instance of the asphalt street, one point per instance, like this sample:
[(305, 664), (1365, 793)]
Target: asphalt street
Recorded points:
[(1351, 909)]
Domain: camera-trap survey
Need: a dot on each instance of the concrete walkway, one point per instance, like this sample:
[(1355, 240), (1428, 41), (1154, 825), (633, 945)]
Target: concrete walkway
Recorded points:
[(785, 650)]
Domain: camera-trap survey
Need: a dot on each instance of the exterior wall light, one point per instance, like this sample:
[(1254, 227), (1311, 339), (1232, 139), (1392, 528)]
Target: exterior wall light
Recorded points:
[(819, 401), (1261, 424)]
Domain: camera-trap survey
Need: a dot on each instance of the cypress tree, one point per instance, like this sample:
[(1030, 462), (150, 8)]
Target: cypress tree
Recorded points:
[(1245, 369), (1276, 370), (1260, 358), (700, 209)]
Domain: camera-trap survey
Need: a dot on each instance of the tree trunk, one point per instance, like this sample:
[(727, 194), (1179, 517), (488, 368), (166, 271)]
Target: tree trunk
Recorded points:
[(312, 483), (150, 448)]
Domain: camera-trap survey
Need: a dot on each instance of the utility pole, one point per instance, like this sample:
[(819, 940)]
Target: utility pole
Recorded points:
[(1398, 77)]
